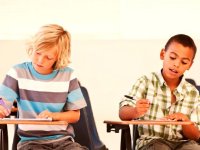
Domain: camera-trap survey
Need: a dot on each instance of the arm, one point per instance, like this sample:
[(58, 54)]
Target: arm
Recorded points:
[(3, 112), (189, 131), (130, 108), (128, 113), (70, 116), (8, 93)]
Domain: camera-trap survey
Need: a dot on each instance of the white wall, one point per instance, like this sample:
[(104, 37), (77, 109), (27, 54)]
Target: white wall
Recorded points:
[(101, 19), (107, 68), (113, 42)]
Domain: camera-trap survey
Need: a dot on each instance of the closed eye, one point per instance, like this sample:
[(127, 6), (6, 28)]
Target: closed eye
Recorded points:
[(38, 53), (172, 58), (184, 63), (49, 58)]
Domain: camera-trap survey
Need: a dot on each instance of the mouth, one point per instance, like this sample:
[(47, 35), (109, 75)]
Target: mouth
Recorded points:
[(173, 71), (39, 65)]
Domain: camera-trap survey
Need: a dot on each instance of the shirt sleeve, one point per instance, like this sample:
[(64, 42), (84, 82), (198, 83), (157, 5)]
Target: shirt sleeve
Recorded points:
[(75, 98), (138, 91), (9, 88), (196, 113)]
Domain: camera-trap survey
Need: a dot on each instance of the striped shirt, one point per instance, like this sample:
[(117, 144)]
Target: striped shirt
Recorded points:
[(34, 92), (154, 88)]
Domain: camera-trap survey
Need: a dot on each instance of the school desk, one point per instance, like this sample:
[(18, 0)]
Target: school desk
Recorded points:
[(124, 126)]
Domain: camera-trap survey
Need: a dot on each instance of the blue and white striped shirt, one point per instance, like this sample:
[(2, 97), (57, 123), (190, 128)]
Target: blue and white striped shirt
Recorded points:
[(34, 92)]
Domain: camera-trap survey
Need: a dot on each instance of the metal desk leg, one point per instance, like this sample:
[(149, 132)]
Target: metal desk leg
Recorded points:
[(3, 137), (125, 139), (135, 136), (125, 134)]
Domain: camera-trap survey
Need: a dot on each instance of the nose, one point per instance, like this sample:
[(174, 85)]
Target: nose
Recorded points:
[(40, 60), (177, 63)]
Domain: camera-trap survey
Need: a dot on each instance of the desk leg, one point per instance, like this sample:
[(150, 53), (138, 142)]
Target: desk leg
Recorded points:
[(125, 139), (3, 137)]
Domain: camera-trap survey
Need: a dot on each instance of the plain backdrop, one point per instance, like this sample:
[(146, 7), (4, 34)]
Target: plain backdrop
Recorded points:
[(113, 42)]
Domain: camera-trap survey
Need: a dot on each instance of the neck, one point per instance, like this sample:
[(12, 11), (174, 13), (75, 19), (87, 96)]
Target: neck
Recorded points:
[(172, 83)]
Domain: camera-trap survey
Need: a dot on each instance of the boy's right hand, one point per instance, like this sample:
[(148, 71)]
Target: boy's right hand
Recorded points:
[(3, 112), (142, 106)]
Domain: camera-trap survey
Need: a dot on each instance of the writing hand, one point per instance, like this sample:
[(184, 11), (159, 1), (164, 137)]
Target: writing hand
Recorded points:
[(142, 106), (3, 112)]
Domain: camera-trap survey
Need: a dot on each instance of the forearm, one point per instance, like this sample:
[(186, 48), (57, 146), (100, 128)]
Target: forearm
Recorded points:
[(191, 132), (128, 113), (71, 116)]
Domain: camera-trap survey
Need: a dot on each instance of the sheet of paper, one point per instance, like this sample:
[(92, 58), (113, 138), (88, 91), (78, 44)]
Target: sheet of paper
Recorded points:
[(28, 119)]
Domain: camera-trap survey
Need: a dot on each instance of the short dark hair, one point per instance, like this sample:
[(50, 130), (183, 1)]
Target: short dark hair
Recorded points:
[(184, 40)]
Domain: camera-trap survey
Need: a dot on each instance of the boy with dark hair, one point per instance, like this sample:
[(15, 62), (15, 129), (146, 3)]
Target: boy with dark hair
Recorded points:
[(166, 95)]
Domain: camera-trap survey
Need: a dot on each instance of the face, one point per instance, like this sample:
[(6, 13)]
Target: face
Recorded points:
[(43, 60), (176, 60)]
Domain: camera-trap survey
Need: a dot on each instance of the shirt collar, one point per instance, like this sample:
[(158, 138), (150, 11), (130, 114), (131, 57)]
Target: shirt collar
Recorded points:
[(162, 82), (42, 76)]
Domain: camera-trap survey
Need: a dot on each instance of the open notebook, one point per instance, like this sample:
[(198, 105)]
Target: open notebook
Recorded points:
[(27, 119)]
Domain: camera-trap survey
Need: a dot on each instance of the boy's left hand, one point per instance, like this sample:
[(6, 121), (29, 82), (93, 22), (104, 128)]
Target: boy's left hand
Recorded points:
[(45, 114), (177, 117)]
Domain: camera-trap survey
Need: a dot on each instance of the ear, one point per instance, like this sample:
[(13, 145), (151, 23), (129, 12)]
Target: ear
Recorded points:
[(162, 54)]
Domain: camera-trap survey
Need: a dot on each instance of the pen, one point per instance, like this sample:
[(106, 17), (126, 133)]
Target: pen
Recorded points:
[(130, 97)]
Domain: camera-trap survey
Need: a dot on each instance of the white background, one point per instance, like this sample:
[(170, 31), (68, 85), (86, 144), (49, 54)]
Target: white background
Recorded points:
[(113, 42)]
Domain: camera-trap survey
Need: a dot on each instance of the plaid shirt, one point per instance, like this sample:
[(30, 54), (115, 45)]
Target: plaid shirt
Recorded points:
[(155, 89)]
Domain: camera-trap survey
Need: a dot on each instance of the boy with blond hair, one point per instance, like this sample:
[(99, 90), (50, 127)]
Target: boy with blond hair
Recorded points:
[(45, 87)]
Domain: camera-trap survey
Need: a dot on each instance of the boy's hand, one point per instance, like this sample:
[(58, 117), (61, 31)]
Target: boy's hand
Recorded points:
[(177, 117), (3, 112), (142, 106), (45, 114)]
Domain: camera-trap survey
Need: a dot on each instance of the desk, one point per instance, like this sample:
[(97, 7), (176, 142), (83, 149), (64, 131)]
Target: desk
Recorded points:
[(149, 122), (3, 128), (116, 125)]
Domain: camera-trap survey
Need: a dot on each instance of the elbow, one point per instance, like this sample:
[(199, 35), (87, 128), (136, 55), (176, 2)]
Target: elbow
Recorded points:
[(124, 114), (76, 117), (123, 118)]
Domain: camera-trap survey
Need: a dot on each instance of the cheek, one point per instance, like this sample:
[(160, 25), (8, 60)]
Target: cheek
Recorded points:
[(167, 61), (187, 68), (184, 68), (50, 63), (33, 58)]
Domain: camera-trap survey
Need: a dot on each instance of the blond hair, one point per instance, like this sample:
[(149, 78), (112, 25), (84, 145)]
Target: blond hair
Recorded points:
[(49, 36)]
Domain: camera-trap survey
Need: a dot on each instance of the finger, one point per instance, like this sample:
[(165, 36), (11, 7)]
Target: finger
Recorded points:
[(1, 115), (43, 112), (143, 110), (4, 111), (143, 106), (42, 116), (143, 101), (172, 117)]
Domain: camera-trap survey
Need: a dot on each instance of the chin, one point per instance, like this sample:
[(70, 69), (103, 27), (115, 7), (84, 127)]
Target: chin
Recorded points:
[(174, 77)]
